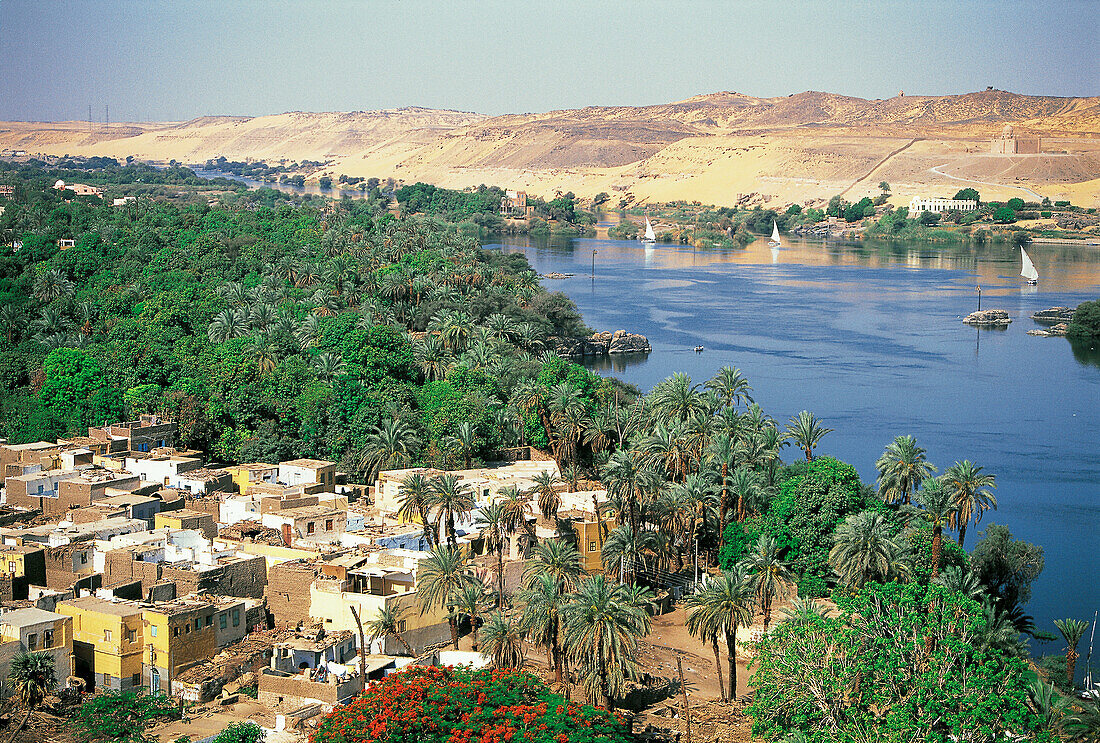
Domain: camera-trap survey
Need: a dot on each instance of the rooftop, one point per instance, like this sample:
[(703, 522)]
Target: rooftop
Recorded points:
[(308, 463), (103, 606), (28, 616), (254, 466), (184, 513)]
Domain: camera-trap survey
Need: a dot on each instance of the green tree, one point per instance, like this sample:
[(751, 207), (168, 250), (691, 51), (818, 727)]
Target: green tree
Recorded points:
[(968, 194), (901, 469), (1085, 325), (1072, 630), (769, 576), (387, 624), (492, 521), (241, 732), (1004, 215), (806, 431), (938, 508), (1007, 566), (450, 498), (1016, 204), (470, 600), (602, 627), (390, 445), (414, 494), (32, 676), (970, 490), (121, 716), (502, 641), (442, 574), (717, 608), (864, 549), (884, 187)]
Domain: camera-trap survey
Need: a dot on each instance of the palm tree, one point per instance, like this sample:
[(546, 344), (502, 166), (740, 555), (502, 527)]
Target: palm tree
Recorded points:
[(433, 357), (390, 445), (329, 366), (901, 468), (464, 441), (12, 319), (388, 623), (542, 599), (450, 498), (441, 575), (502, 641), (549, 499), (770, 577), (264, 349), (718, 607), (602, 627), (33, 675), (938, 508), (1050, 706), (1072, 630), (1084, 723), (51, 284), (493, 524), (227, 324), (863, 549), (806, 432), (676, 398), (415, 501), (802, 612), (959, 580), (623, 547), (558, 559), (730, 385), (470, 601), (970, 490)]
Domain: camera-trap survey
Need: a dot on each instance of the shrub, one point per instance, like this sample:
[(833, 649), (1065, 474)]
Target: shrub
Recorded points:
[(1004, 215), (121, 716), (459, 705), (1086, 322)]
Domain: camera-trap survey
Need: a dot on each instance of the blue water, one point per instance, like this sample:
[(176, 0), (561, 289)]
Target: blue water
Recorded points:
[(870, 339)]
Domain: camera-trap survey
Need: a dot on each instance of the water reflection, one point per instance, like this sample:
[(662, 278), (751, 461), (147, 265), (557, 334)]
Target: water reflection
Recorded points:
[(618, 362), (1086, 354)]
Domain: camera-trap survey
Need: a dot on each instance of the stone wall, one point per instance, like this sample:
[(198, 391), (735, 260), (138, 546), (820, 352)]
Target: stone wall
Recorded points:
[(243, 578), (290, 692), (119, 567), (288, 592)]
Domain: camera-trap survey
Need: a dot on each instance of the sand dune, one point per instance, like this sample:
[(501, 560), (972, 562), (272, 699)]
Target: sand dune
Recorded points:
[(711, 148)]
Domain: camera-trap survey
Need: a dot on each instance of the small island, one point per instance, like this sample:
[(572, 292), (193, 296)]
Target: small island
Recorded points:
[(988, 318)]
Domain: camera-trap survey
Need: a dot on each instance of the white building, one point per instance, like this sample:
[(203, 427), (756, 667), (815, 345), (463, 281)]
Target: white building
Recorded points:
[(936, 206)]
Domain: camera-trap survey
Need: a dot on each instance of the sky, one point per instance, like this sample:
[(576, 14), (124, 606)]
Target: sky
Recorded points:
[(171, 60)]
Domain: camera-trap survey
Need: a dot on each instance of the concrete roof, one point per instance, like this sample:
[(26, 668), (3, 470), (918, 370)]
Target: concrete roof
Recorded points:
[(308, 463), (102, 606), (28, 616)]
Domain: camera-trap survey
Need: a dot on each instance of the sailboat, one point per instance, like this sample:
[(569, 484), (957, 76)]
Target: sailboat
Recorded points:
[(775, 241), (650, 235), (1028, 271)]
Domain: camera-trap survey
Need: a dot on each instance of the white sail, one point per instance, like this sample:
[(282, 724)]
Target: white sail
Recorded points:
[(649, 233), (775, 232), (1028, 271)]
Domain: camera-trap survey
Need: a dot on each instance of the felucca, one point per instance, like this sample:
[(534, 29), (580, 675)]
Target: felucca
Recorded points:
[(775, 241), (1028, 271)]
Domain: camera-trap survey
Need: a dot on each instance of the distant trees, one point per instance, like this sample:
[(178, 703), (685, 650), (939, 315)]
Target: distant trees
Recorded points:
[(1016, 204)]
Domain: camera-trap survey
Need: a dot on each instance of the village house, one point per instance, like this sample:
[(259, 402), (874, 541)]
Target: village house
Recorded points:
[(315, 523), (146, 433), (308, 472), (938, 206), (163, 466), (311, 670), (31, 630), (24, 565)]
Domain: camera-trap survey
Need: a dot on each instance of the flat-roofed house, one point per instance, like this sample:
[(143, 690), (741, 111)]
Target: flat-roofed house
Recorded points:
[(37, 631)]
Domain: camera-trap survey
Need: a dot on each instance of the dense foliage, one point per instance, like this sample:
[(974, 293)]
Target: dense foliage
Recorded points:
[(900, 663), (458, 705), (121, 716), (1086, 322), (271, 332)]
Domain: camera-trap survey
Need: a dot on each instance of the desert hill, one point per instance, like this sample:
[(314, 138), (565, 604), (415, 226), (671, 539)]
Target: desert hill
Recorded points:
[(714, 148)]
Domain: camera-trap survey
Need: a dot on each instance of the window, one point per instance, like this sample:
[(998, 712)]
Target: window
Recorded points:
[(310, 527), (236, 617), (153, 630), (328, 525), (83, 558), (198, 623), (175, 632), (136, 679), (106, 635), (32, 642), (591, 546), (11, 566), (401, 626), (47, 638), (131, 636), (209, 620), (187, 628), (223, 620)]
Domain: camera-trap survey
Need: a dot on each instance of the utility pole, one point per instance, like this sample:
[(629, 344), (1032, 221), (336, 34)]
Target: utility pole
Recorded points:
[(362, 648), (594, 264), (979, 298), (685, 710)]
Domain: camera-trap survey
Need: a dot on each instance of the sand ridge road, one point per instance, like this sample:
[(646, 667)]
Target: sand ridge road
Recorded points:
[(937, 171)]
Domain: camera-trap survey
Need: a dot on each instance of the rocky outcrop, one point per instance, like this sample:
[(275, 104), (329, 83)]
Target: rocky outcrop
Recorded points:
[(554, 275), (1051, 332), (599, 344), (624, 342), (1054, 315), (988, 318)]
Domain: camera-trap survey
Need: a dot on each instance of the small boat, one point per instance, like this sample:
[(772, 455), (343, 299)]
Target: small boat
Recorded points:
[(775, 241), (1028, 271), (698, 349), (650, 235)]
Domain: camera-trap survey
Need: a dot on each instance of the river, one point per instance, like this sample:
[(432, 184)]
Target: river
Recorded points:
[(870, 339)]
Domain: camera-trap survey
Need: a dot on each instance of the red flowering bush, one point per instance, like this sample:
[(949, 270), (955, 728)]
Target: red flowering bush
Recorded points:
[(458, 705)]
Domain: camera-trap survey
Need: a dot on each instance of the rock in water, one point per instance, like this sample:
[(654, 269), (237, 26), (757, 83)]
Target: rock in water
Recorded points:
[(988, 318), (1054, 315), (624, 342)]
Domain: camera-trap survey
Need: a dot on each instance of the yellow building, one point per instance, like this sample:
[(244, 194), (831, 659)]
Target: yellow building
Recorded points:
[(127, 645), (24, 565), (186, 519), (178, 634), (108, 641), (245, 476)]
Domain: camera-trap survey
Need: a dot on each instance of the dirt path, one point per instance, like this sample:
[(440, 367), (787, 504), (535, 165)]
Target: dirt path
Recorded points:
[(880, 163), (1026, 190)]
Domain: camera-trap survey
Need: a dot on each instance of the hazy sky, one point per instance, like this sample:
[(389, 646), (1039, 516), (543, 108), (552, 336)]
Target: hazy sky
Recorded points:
[(177, 59)]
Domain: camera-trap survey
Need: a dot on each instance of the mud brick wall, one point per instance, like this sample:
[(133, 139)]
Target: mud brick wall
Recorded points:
[(245, 578), (119, 566), (288, 592)]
